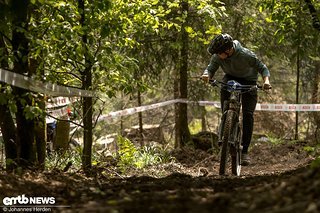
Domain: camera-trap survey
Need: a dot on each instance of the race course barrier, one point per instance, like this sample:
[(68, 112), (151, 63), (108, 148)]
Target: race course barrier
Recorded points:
[(34, 85), (31, 84), (259, 107), (288, 107)]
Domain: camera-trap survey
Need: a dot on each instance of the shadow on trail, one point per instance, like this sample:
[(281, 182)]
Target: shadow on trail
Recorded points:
[(184, 193)]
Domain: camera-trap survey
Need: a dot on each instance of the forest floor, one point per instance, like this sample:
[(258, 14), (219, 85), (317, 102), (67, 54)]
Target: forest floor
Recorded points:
[(278, 180)]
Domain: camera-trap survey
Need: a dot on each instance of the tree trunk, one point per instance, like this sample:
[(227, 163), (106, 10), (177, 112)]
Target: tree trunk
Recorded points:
[(7, 126), (40, 130), (140, 122), (40, 123), (203, 118), (183, 107), (8, 130), (87, 101), (176, 95), (316, 99), (296, 137), (87, 122), (25, 127), (61, 140)]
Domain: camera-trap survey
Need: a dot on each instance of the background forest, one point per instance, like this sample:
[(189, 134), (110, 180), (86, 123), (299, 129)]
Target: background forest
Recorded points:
[(138, 52)]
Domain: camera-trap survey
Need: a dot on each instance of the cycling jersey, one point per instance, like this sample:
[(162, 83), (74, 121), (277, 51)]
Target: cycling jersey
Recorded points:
[(243, 63)]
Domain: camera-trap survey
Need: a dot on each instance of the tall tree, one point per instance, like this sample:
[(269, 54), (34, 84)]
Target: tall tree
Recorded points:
[(315, 98), (183, 75), (294, 30), (86, 77), (7, 125), (37, 70), (314, 16), (24, 100)]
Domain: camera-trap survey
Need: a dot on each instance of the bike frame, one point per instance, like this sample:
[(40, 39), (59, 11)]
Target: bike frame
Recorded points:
[(230, 130)]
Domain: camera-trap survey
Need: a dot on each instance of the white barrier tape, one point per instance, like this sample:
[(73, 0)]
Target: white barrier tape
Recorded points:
[(31, 84), (56, 113), (289, 107), (210, 103), (259, 107), (134, 110), (274, 107), (270, 107), (59, 102), (201, 103), (59, 112)]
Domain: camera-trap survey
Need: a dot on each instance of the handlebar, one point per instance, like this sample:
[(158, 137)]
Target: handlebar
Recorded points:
[(234, 86)]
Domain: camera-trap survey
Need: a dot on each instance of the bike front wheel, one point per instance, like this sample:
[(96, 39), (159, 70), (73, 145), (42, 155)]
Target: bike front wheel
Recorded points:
[(227, 135), (235, 149)]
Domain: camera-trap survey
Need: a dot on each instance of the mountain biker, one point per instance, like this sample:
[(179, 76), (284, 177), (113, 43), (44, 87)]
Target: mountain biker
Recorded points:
[(242, 65)]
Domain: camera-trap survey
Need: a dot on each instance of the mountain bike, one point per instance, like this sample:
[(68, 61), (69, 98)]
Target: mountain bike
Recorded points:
[(230, 129)]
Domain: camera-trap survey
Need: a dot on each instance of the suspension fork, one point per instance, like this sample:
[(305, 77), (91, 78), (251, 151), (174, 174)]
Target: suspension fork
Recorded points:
[(222, 120), (233, 104)]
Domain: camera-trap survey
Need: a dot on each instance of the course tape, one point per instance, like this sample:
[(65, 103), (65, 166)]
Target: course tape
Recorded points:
[(56, 113), (31, 84), (60, 102), (288, 107), (259, 107), (134, 110)]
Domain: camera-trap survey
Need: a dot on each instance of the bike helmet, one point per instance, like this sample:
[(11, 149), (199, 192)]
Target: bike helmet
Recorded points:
[(220, 44)]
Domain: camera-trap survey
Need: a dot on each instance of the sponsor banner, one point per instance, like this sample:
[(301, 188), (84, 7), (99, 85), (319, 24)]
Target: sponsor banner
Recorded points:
[(31, 84)]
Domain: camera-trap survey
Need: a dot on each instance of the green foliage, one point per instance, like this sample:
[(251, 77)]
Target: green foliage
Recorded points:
[(6, 98), (292, 24), (195, 126), (152, 155), (315, 163), (130, 156), (127, 152), (309, 149), (58, 161), (274, 140), (147, 156), (9, 162), (134, 46), (314, 151)]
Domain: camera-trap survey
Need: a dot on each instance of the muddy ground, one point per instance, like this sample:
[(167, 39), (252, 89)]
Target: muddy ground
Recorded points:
[(278, 180)]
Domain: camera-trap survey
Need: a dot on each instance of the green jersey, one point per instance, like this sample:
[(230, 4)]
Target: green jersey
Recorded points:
[(243, 63)]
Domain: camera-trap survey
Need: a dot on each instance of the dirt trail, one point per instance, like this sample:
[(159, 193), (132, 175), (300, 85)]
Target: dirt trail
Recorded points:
[(279, 180)]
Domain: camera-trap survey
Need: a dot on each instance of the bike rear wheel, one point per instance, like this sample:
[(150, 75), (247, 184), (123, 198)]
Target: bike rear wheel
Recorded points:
[(227, 136)]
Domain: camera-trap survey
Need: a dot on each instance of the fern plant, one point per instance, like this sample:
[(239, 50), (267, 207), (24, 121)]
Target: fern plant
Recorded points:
[(130, 156), (127, 152)]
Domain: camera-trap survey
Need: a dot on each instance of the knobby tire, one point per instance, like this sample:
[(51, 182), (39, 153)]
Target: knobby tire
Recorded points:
[(235, 150), (227, 134)]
